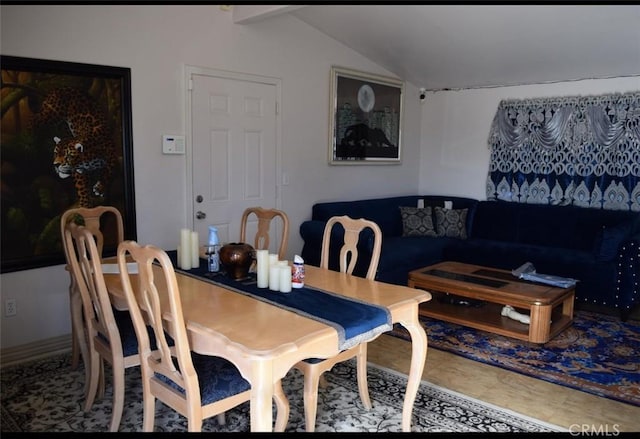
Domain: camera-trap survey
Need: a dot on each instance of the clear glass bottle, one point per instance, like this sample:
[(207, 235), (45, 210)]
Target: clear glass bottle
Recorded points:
[(212, 250)]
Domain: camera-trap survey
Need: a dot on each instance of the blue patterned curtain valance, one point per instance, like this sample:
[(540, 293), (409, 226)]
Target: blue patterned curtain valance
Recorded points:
[(582, 151)]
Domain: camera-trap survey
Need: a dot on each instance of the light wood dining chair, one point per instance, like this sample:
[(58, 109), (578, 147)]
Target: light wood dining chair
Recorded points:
[(313, 368), (110, 333), (196, 386), (261, 239), (94, 218)]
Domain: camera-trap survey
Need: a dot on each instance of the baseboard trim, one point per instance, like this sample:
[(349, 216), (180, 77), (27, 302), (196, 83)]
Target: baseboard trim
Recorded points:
[(35, 350)]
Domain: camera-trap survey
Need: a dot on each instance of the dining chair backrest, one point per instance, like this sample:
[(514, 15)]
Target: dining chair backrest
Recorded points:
[(145, 307), (265, 217), (349, 249), (94, 218), (163, 378), (86, 266)]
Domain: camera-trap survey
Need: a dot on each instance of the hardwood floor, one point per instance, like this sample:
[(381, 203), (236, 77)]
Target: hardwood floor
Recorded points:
[(559, 405)]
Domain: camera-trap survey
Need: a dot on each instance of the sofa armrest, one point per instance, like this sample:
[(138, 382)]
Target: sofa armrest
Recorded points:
[(311, 233), (609, 240), (628, 282)]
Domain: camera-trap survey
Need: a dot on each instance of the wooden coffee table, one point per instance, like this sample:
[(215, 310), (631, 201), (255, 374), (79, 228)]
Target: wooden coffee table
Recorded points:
[(550, 308)]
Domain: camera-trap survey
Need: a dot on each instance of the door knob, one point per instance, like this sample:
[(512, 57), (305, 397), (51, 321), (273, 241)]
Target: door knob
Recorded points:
[(201, 215)]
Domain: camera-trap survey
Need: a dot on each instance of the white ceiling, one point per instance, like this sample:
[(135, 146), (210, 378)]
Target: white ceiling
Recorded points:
[(469, 46)]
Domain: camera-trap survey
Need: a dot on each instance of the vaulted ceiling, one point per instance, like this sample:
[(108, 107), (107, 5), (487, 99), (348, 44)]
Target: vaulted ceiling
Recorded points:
[(469, 46)]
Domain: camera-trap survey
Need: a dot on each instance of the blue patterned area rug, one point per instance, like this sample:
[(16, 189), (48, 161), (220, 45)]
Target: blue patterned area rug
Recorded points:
[(598, 354), (47, 396)]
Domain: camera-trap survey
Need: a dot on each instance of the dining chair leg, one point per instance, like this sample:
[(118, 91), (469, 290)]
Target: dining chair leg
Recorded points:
[(75, 350), (75, 345), (79, 345), (148, 411), (310, 398), (222, 420), (194, 424), (363, 386), (118, 396), (282, 405), (94, 378), (101, 380), (86, 361)]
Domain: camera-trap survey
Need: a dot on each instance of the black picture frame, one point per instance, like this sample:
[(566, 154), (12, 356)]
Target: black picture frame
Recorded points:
[(365, 118), (52, 108)]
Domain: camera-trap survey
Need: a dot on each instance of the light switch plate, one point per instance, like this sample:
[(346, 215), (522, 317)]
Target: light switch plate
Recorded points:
[(172, 144)]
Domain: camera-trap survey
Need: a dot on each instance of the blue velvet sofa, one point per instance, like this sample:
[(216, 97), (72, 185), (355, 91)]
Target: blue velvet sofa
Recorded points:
[(599, 248)]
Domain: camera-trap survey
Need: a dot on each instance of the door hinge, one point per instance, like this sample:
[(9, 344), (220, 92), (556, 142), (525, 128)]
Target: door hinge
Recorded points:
[(276, 107), (190, 85)]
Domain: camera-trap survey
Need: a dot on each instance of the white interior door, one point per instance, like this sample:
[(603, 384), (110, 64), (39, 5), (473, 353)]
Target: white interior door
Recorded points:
[(234, 150)]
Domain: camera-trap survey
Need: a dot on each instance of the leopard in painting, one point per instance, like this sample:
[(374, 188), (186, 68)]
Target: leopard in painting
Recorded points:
[(88, 155), (70, 159)]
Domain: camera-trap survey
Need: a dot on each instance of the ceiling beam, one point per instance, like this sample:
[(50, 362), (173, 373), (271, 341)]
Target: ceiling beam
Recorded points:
[(243, 14)]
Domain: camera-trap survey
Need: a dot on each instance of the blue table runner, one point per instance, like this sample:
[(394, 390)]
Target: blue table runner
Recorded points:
[(354, 320)]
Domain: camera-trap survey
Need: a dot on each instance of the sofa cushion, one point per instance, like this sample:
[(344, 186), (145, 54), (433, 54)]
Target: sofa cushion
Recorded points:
[(451, 223), (417, 222), (312, 233), (573, 227), (410, 252), (553, 226), (495, 220), (508, 256), (383, 211)]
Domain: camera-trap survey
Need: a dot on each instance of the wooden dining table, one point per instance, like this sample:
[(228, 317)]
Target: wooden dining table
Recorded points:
[(264, 341)]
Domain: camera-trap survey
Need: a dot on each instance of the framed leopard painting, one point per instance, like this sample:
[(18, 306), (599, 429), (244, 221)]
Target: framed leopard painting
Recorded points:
[(66, 142)]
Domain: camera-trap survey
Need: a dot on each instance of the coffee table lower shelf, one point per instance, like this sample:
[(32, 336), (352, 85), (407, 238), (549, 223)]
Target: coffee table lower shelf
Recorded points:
[(488, 318)]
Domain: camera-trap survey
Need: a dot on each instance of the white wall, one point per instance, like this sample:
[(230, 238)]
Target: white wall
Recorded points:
[(454, 157), (156, 42)]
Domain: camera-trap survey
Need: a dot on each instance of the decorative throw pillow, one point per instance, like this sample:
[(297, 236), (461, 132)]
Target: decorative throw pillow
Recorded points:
[(417, 222), (451, 222)]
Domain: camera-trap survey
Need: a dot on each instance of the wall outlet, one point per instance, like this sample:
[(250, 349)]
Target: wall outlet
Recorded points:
[(10, 307)]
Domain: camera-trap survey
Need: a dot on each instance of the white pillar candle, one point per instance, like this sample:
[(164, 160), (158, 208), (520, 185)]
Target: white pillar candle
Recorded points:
[(195, 250), (262, 262), (283, 263), (185, 249), (285, 279), (274, 277), (273, 258)]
